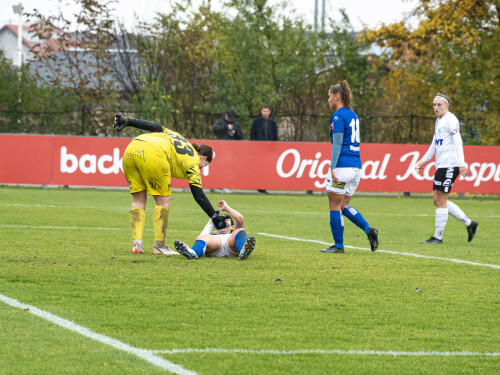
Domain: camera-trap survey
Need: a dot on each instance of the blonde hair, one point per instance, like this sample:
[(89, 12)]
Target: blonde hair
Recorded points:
[(443, 95)]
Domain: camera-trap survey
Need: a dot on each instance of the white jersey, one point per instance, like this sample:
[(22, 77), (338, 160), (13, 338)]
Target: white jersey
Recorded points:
[(446, 143)]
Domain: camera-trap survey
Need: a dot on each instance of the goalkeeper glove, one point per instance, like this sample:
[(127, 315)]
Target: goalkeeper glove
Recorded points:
[(219, 221), (120, 122)]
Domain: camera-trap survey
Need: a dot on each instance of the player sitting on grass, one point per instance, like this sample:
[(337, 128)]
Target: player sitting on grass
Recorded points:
[(230, 241)]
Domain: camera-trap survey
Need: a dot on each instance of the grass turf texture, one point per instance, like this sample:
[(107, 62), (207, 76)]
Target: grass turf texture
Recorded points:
[(68, 252)]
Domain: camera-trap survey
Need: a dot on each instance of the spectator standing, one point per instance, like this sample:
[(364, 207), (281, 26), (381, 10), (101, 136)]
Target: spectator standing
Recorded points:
[(264, 128), (227, 128)]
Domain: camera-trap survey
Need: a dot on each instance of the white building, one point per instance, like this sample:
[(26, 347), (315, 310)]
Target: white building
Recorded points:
[(8, 43)]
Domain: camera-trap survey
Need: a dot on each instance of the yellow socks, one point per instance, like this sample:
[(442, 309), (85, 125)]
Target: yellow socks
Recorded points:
[(160, 222), (137, 221)]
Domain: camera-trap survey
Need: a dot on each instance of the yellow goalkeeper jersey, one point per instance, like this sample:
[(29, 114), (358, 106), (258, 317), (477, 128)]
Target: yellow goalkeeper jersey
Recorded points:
[(183, 159)]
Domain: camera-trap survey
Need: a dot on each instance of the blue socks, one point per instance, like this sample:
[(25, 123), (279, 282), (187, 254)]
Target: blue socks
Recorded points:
[(241, 238), (352, 214), (337, 226), (199, 247)]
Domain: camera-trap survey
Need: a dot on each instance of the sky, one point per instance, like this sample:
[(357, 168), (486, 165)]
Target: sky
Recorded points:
[(361, 12)]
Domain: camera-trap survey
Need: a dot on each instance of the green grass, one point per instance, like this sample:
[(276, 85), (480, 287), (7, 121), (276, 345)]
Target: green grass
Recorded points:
[(68, 252)]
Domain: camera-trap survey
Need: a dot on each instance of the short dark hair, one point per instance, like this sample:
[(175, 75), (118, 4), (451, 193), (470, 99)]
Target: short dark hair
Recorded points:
[(225, 216)]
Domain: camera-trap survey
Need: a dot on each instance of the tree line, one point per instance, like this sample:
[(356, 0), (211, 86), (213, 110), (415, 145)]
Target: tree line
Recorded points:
[(187, 66)]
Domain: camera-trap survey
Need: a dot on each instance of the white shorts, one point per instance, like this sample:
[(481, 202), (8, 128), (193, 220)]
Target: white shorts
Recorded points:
[(350, 176), (224, 250)]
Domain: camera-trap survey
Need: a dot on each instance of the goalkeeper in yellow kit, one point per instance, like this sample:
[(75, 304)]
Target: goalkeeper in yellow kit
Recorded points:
[(149, 163)]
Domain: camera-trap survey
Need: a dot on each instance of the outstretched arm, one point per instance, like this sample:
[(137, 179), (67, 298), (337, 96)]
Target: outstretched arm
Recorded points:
[(200, 198), (122, 121), (238, 218)]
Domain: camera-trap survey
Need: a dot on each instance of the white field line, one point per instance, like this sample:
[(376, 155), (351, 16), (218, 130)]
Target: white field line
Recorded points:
[(144, 354), (386, 251), (269, 235), (332, 351), (149, 355), (253, 211)]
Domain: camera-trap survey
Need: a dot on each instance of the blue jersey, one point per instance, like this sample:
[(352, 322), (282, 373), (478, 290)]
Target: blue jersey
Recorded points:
[(347, 122)]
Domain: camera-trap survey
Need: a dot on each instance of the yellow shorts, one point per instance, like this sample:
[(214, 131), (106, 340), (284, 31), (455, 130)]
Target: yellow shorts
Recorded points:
[(146, 167)]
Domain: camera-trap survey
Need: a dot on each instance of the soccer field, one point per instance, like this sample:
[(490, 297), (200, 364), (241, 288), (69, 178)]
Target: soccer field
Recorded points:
[(74, 299)]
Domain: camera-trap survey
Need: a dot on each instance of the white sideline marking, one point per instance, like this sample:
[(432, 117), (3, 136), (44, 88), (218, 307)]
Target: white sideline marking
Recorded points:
[(332, 351), (147, 355), (276, 236), (386, 251)]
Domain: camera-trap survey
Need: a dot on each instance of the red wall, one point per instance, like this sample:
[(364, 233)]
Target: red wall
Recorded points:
[(93, 161)]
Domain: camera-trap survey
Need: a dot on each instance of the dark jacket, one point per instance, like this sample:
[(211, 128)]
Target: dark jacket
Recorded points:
[(264, 129), (221, 130)]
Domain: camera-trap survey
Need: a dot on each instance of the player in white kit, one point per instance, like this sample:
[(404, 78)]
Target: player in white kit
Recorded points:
[(229, 241), (447, 147)]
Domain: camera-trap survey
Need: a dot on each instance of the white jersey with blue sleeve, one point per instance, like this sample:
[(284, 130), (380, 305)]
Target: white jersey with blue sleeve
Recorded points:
[(346, 121)]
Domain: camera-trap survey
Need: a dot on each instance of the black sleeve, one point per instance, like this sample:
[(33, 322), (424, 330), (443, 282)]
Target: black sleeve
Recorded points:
[(145, 125), (253, 130), (200, 198), (220, 126), (275, 131), (238, 130)]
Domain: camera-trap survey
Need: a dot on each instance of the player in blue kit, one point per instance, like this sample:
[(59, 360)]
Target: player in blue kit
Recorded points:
[(345, 168)]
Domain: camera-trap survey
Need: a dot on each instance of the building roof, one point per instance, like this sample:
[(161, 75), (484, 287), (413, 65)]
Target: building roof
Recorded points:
[(40, 46)]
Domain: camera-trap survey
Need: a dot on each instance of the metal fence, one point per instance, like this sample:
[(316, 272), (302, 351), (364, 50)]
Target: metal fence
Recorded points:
[(404, 129)]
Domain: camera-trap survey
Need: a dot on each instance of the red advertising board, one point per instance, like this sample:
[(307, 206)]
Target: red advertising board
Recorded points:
[(95, 161)]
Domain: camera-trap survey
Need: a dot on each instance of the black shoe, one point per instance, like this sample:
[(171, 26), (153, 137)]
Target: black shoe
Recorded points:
[(432, 240), (184, 250), (263, 191), (333, 249), (373, 238), (471, 230)]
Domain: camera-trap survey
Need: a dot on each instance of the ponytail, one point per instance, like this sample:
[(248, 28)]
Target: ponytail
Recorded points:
[(344, 91)]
